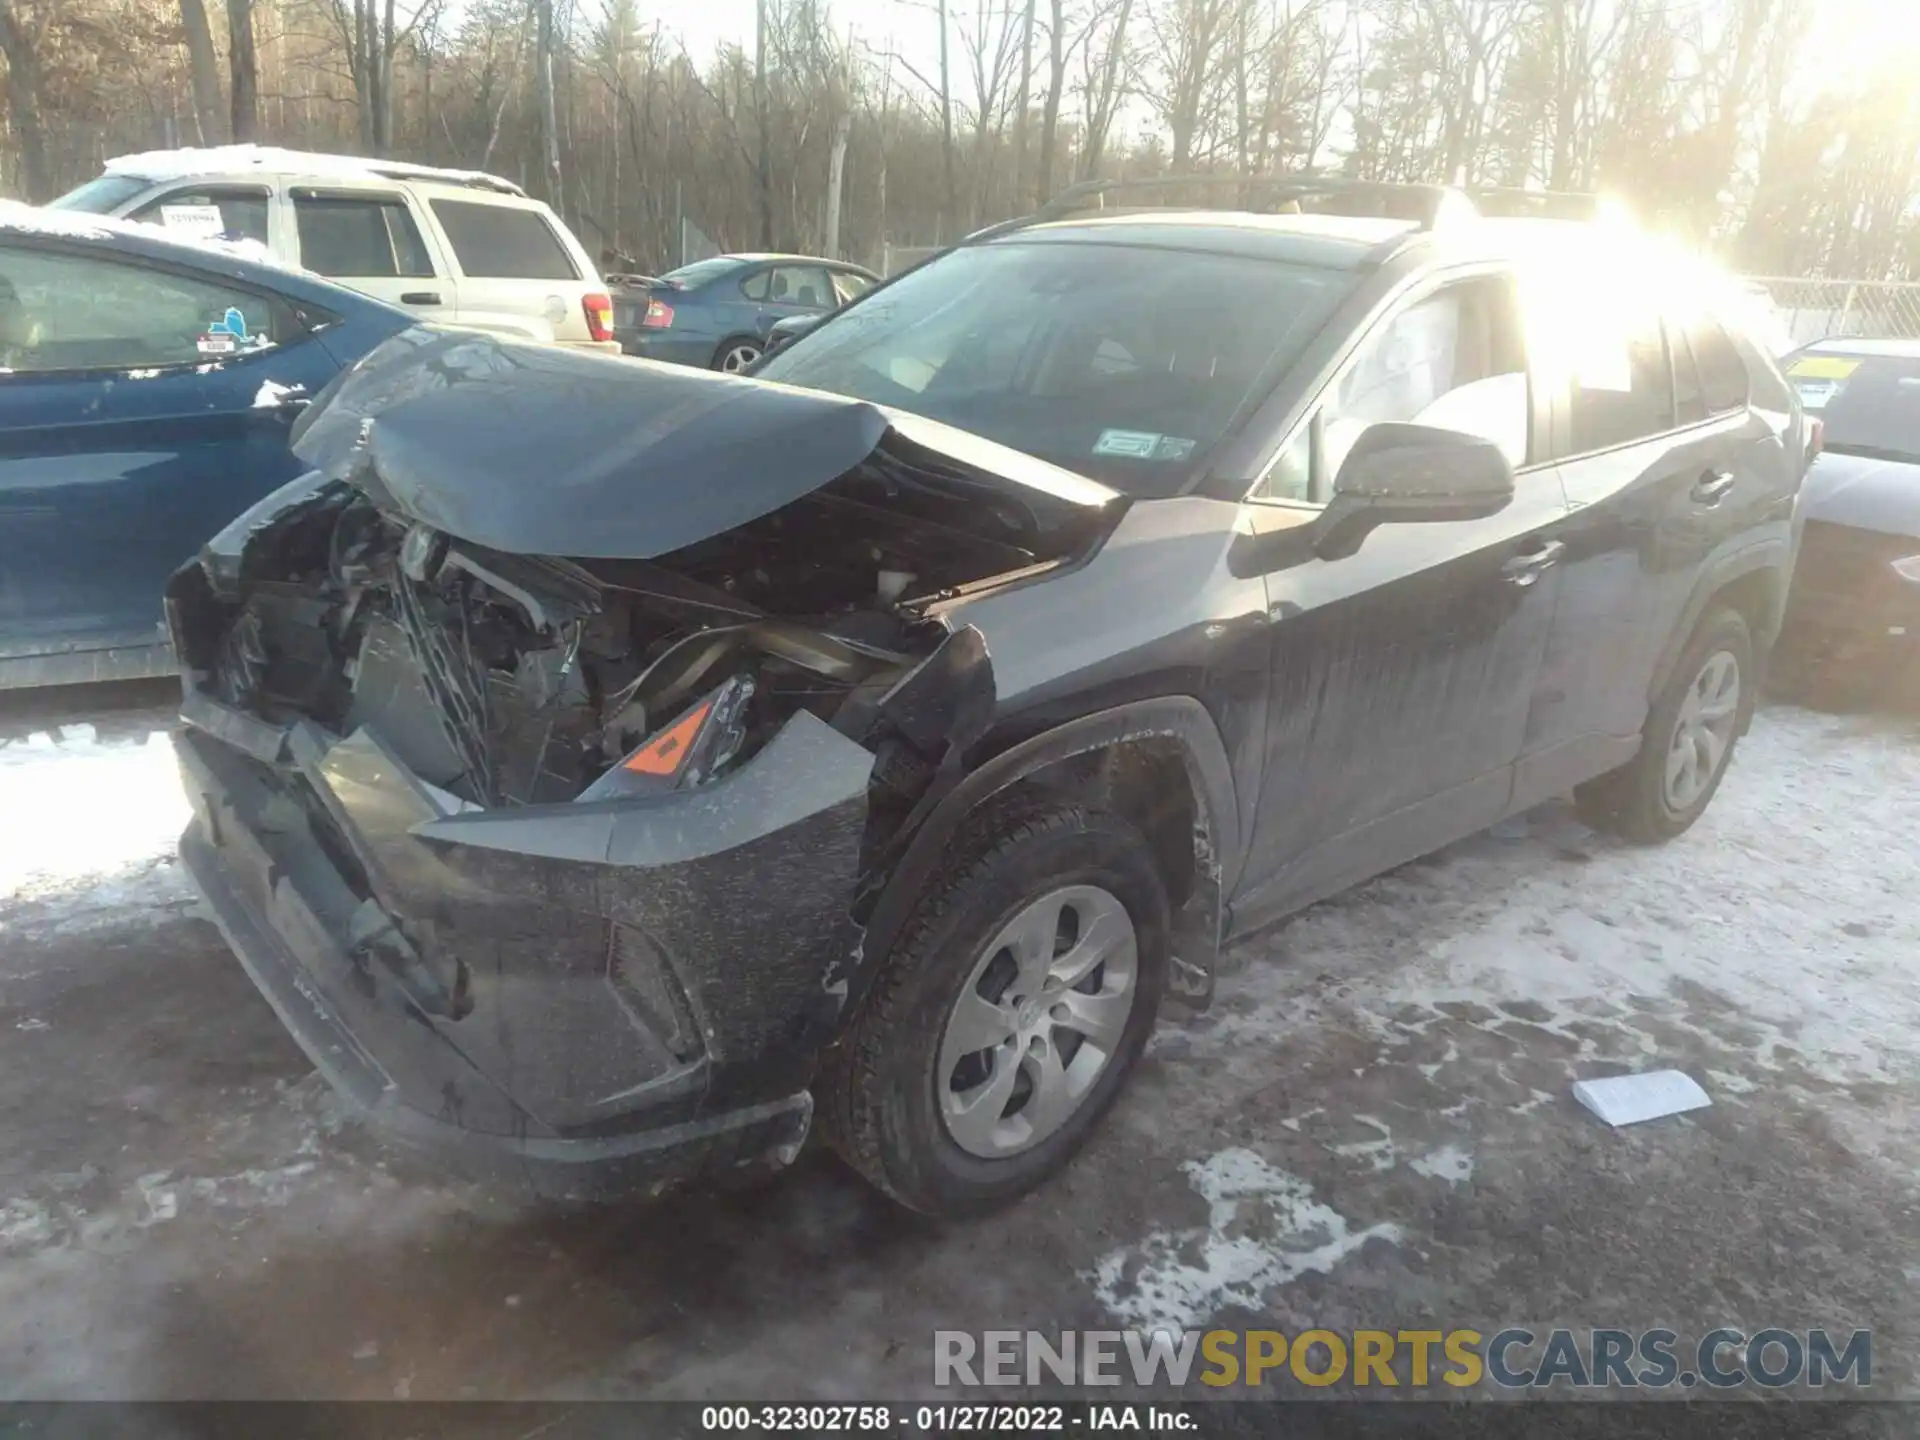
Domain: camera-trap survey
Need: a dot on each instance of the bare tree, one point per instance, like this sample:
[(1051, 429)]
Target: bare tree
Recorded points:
[(243, 64), (1022, 112), (1193, 36), (207, 102), (21, 47), (1705, 113), (951, 216), (1103, 87), (1057, 51), (544, 47)]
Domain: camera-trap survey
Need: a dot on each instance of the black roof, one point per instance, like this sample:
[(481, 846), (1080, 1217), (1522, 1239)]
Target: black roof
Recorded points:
[(1337, 242)]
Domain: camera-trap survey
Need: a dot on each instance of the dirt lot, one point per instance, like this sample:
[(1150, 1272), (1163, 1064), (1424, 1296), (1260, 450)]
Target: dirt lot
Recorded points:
[(1373, 1127)]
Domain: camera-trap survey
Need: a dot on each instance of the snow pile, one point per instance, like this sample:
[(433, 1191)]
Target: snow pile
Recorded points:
[(91, 827), (1264, 1229), (192, 163), (83, 225), (1778, 933)]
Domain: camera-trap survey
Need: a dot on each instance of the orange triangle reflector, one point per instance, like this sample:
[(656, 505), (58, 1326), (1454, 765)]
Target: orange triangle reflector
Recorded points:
[(663, 754)]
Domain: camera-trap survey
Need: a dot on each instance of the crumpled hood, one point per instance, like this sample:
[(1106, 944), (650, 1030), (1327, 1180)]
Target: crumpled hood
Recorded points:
[(1865, 493), (535, 449)]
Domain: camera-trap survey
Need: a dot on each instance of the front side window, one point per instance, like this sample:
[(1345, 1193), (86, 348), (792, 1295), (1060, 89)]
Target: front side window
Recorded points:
[(64, 312), (1125, 363), (359, 237), (502, 242), (1456, 360), (232, 214)]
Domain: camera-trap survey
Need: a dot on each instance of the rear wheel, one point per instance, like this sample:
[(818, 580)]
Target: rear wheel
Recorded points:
[(1010, 1013), (1688, 740), (736, 355)]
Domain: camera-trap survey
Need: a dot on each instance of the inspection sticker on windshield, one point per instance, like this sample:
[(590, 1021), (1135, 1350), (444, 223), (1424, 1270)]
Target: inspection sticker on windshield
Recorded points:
[(1818, 378), (1142, 445)]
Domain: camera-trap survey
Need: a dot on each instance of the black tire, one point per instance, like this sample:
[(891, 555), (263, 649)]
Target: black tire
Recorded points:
[(877, 1089), (733, 343), (1632, 802)]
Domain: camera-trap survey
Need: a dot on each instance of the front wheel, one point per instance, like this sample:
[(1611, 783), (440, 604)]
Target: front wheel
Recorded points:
[(1010, 1013), (1688, 740), (736, 355)]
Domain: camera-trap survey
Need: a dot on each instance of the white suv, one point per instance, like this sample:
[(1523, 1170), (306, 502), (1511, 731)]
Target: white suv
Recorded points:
[(454, 246)]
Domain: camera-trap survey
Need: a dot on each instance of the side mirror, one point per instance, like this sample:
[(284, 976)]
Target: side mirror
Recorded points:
[(1399, 474), (790, 329)]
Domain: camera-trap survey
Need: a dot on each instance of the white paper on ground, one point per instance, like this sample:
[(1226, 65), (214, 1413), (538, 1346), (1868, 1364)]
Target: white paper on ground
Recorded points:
[(1629, 1099)]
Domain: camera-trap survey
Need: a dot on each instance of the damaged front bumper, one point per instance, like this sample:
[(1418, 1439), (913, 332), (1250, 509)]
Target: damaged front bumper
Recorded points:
[(595, 998)]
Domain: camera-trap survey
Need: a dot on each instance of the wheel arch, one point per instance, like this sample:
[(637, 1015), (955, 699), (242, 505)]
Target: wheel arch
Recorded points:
[(1752, 581), (1160, 763), (737, 337)]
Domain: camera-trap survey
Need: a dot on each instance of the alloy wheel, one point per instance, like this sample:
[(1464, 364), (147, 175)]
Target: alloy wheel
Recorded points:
[(1703, 731), (739, 357), (1041, 1014)]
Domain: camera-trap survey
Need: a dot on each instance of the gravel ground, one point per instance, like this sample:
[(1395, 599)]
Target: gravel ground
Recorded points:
[(1372, 1127)]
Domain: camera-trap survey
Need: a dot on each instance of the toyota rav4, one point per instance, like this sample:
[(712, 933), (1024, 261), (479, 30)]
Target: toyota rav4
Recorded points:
[(613, 771)]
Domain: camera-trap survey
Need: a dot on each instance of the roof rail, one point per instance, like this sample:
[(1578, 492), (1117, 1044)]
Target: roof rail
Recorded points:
[(1423, 205), (1510, 202), (223, 160)]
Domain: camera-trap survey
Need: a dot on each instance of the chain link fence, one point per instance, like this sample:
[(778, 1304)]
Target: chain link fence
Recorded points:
[(895, 258), (1816, 309)]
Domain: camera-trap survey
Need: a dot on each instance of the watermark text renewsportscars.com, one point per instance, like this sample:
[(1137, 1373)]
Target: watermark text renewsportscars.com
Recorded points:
[(1511, 1359)]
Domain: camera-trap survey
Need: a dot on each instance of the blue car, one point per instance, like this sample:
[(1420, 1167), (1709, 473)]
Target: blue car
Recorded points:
[(146, 390), (719, 313)]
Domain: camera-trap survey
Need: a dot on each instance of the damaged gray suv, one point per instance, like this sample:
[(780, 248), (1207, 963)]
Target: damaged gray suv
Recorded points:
[(612, 772)]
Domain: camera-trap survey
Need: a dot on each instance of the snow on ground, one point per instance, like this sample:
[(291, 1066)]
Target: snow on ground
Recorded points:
[(1394, 1054), (91, 825), (1782, 927), (1771, 949)]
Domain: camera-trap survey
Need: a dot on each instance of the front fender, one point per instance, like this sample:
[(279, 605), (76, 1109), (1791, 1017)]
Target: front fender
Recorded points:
[(1217, 852)]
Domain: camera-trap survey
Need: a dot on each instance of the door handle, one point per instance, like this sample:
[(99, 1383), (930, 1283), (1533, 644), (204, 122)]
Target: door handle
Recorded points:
[(1523, 570), (1713, 487), (421, 297)]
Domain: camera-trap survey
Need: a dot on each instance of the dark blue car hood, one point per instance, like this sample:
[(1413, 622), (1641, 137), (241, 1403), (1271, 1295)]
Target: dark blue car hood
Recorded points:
[(535, 449)]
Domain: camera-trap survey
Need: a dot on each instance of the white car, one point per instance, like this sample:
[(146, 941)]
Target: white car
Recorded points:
[(456, 247)]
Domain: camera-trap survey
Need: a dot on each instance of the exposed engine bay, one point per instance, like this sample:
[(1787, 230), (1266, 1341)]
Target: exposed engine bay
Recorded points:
[(507, 679)]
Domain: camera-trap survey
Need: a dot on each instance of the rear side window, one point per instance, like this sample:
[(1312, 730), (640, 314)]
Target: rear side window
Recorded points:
[(354, 237), (90, 312), (798, 285), (1723, 374), (849, 286), (1689, 401), (1621, 388), (498, 242), (238, 214)]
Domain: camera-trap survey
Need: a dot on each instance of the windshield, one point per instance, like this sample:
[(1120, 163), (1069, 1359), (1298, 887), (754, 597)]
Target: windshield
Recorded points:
[(1870, 404), (701, 271), (102, 195), (1124, 363)]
